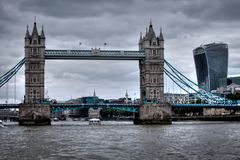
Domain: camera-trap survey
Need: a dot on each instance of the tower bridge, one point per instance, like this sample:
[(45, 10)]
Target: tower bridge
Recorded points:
[(151, 110), (151, 63)]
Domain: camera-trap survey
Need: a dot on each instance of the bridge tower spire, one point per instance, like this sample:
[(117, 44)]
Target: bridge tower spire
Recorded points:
[(140, 44), (34, 80), (27, 37), (152, 108)]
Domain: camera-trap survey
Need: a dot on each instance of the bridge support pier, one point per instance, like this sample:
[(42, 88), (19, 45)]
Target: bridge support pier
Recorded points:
[(34, 114), (154, 114)]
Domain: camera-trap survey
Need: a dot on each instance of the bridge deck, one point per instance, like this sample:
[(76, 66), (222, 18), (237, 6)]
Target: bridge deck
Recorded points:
[(226, 106), (113, 105), (94, 54)]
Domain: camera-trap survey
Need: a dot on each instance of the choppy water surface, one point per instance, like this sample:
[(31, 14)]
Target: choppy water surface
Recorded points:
[(121, 140)]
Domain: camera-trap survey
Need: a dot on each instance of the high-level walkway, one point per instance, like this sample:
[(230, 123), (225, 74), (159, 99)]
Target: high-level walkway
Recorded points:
[(94, 54)]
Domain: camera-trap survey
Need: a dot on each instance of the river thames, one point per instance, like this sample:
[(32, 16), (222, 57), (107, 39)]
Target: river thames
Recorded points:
[(121, 140)]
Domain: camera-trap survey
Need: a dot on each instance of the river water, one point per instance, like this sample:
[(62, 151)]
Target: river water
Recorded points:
[(121, 140)]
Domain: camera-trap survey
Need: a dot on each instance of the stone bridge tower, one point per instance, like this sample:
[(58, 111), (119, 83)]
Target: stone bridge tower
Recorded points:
[(34, 66), (152, 109), (33, 111)]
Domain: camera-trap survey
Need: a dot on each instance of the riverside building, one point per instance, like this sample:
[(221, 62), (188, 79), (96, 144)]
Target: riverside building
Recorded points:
[(211, 62)]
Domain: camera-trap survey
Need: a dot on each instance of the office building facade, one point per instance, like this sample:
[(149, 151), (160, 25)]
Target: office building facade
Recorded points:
[(211, 62)]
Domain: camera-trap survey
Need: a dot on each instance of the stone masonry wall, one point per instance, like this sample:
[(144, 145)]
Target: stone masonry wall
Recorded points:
[(34, 114)]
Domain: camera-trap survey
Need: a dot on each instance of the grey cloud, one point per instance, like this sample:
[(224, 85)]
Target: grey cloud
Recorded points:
[(186, 24), (92, 71), (75, 8), (218, 10)]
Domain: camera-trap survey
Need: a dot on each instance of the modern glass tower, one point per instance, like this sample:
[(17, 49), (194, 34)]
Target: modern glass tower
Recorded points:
[(211, 62)]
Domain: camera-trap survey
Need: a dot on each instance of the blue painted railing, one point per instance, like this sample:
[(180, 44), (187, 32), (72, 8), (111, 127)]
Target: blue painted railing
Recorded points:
[(59, 107)]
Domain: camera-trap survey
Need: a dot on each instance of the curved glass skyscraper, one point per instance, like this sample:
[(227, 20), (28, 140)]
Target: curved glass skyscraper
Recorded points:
[(211, 62)]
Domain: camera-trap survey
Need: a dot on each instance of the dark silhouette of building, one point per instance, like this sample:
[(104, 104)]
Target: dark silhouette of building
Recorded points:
[(211, 62)]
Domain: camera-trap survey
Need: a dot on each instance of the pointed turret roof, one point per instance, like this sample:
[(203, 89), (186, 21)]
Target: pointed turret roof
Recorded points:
[(161, 35), (151, 33), (35, 32), (27, 33), (146, 34), (140, 39), (42, 33), (94, 93), (146, 37)]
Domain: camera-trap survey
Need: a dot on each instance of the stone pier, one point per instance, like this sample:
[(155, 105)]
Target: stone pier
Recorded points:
[(34, 114), (154, 114)]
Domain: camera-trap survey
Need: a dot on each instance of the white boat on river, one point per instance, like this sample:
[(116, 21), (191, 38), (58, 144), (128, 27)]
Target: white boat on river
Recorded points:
[(94, 121)]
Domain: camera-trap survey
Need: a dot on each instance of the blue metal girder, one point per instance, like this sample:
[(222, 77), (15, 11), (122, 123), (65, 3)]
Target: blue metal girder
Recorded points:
[(94, 54), (128, 109), (64, 108), (226, 106), (124, 107)]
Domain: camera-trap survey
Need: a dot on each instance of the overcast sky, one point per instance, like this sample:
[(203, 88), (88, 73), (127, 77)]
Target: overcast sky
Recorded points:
[(186, 25)]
